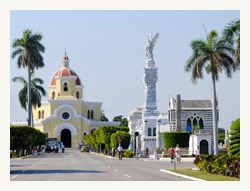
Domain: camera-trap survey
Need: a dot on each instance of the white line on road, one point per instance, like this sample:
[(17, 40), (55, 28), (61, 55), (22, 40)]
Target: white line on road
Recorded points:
[(116, 170), (127, 175), (14, 176)]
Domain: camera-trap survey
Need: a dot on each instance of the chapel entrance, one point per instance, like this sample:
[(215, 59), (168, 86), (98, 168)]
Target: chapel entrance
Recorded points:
[(203, 147), (66, 137)]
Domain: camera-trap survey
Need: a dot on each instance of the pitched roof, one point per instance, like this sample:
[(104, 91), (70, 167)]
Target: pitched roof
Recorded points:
[(196, 104)]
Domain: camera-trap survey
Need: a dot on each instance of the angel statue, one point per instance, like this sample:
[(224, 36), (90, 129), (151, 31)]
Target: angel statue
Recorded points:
[(150, 45)]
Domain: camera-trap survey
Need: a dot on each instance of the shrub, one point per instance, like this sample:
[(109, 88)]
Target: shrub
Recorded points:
[(222, 164), (173, 138), (128, 153), (234, 139)]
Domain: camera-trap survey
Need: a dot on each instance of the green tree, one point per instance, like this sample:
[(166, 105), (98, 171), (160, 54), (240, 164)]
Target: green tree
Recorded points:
[(125, 139), (21, 137), (214, 55), (103, 117), (28, 49), (234, 139), (37, 91), (232, 33), (221, 135), (124, 121)]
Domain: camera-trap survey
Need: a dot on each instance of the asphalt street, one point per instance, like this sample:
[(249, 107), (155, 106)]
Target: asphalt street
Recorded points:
[(74, 165)]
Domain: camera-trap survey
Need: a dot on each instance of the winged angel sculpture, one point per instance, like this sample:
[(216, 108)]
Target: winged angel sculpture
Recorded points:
[(150, 45)]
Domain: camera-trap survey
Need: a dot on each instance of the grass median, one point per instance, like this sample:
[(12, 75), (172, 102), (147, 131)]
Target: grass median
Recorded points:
[(203, 175)]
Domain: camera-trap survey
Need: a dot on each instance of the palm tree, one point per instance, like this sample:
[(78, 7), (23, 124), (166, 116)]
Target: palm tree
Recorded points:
[(28, 49), (213, 55), (232, 33), (37, 91)]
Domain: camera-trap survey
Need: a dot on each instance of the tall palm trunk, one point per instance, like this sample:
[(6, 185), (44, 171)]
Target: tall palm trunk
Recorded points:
[(32, 119), (215, 128), (29, 97)]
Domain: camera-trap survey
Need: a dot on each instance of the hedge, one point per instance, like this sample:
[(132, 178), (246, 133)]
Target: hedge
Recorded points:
[(175, 137)]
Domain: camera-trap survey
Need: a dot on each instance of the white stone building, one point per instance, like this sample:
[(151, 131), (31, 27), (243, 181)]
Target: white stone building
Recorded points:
[(184, 114), (146, 124)]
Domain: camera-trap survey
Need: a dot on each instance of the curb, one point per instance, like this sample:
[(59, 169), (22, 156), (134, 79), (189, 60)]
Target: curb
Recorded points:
[(181, 175)]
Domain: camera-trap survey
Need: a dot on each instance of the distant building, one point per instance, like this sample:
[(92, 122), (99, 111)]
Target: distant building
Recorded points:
[(66, 115), (147, 125), (184, 115)]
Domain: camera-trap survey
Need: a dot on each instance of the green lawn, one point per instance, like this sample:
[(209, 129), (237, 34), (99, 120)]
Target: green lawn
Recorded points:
[(203, 175)]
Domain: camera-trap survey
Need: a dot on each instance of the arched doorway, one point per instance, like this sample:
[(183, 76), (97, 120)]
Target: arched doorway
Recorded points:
[(66, 137), (203, 147)]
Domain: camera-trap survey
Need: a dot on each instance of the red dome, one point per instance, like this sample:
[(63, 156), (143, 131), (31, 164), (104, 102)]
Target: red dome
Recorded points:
[(64, 72)]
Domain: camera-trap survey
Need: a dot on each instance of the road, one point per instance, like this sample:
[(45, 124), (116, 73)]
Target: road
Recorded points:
[(74, 165)]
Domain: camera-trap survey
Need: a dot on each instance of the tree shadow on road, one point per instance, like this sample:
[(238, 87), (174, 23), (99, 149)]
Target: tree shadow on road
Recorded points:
[(53, 171)]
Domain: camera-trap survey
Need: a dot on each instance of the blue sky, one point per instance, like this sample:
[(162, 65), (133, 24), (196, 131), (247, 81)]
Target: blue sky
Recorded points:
[(106, 50)]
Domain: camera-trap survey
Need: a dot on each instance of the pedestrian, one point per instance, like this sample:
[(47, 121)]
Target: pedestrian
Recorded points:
[(120, 150), (171, 152), (38, 150), (178, 153), (63, 148), (197, 153), (52, 148), (35, 150), (55, 149)]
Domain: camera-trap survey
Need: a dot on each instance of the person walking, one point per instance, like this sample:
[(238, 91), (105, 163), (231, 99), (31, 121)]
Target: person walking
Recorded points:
[(63, 148), (120, 150), (178, 153), (35, 150), (197, 153), (171, 153)]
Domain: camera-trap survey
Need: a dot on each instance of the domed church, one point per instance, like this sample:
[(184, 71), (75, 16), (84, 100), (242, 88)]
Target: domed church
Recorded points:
[(66, 115)]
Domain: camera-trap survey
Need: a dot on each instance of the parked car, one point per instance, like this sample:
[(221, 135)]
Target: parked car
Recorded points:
[(85, 148)]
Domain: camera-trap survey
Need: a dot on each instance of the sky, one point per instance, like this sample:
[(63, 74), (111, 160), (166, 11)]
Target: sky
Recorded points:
[(106, 49)]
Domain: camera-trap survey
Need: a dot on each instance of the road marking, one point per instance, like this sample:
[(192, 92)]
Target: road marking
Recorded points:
[(108, 166), (116, 170), (14, 176), (127, 175)]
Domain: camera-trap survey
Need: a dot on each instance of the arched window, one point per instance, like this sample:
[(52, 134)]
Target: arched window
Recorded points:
[(65, 87), (39, 114), (53, 95), (188, 122), (194, 122), (189, 126), (84, 134), (201, 124), (92, 114), (77, 94), (154, 131), (88, 116), (149, 131)]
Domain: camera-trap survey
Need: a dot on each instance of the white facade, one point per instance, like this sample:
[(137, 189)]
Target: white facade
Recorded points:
[(202, 141), (146, 124)]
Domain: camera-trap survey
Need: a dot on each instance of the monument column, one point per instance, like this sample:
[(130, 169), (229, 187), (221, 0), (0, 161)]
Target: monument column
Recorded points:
[(150, 76)]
